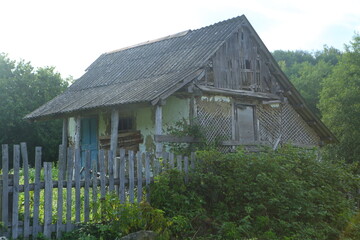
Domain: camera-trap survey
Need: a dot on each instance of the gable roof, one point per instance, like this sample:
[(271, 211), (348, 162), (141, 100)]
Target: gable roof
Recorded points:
[(140, 73), (146, 71)]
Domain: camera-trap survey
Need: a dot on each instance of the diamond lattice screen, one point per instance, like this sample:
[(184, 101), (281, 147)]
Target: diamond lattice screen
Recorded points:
[(269, 123), (295, 129), (215, 118)]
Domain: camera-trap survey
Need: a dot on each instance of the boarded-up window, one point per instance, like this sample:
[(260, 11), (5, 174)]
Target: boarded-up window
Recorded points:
[(245, 124), (126, 123)]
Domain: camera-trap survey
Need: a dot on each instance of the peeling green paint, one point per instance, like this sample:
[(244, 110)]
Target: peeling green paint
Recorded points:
[(175, 110), (71, 136), (104, 124)]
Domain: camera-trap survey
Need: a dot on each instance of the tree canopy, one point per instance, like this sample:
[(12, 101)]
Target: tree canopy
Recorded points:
[(23, 89), (340, 102)]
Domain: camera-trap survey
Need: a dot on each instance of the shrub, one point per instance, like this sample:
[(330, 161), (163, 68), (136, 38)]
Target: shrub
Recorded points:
[(287, 194), (113, 220)]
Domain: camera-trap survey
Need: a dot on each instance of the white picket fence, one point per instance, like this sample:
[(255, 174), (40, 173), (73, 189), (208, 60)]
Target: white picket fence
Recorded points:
[(29, 208)]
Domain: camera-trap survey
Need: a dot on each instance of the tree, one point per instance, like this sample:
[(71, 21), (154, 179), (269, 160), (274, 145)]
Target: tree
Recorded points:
[(307, 70), (340, 103), (23, 89)]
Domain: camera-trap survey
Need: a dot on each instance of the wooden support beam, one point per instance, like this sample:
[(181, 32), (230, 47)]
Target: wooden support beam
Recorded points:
[(65, 127), (77, 132), (239, 143), (114, 140), (240, 93), (114, 130), (175, 139), (158, 129)]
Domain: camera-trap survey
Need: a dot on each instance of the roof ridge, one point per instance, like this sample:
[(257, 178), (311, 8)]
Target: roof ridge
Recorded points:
[(175, 35)]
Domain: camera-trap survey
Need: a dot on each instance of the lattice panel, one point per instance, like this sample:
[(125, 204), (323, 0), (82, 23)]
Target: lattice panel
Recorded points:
[(295, 129), (215, 117), (269, 123)]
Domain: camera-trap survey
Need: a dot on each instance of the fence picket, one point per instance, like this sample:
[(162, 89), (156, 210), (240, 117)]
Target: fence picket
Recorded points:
[(147, 175), (171, 160), (77, 185), (38, 156), (48, 199), (102, 174), (192, 164), (94, 187), (59, 225), (24, 155), (87, 186), (5, 188), (139, 156), (69, 173), (179, 162), (165, 163), (131, 176), (186, 169), (122, 175), (15, 210), (111, 171)]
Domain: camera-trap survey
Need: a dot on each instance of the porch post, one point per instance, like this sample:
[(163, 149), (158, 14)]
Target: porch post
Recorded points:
[(64, 141), (77, 132), (158, 129), (114, 138)]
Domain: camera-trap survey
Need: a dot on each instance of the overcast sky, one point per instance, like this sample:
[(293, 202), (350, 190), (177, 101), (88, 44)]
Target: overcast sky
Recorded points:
[(71, 34)]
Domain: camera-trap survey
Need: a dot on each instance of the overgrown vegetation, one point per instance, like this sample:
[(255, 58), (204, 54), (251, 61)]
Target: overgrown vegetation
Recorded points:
[(114, 220), (286, 194)]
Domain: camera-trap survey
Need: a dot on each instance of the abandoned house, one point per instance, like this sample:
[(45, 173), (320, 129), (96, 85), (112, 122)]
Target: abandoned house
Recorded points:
[(221, 77)]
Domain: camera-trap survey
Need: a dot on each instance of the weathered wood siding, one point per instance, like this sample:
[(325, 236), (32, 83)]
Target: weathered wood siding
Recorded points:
[(241, 63)]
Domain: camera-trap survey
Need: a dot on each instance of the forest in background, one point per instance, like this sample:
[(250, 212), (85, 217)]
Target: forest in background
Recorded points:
[(328, 79)]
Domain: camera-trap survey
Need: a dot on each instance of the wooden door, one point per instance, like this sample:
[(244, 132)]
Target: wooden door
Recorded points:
[(89, 138), (245, 123)]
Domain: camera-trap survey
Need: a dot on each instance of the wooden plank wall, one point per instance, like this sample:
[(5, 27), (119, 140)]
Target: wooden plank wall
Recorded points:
[(66, 197), (241, 64)]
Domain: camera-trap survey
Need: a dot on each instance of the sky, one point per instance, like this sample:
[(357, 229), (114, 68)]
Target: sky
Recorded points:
[(71, 34)]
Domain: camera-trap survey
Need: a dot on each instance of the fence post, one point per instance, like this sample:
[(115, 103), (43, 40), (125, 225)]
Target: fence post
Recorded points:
[(4, 188), (122, 175), (139, 176), (69, 177), (62, 161), (38, 156), (147, 176), (15, 208), (24, 155), (48, 199), (131, 176)]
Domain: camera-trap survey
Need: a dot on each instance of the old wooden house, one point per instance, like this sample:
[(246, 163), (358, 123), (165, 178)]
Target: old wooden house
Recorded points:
[(221, 77)]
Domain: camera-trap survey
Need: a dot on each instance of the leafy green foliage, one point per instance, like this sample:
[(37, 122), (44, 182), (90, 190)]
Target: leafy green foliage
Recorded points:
[(183, 128), (180, 204), (113, 220), (287, 194), (23, 89), (307, 70), (340, 103)]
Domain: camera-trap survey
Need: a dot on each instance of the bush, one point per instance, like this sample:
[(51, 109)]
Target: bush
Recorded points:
[(113, 220), (286, 194)]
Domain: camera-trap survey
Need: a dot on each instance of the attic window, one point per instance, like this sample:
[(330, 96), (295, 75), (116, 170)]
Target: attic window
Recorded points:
[(247, 64), (126, 123), (242, 35)]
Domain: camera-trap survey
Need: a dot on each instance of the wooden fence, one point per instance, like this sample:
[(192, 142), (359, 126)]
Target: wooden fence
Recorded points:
[(49, 204)]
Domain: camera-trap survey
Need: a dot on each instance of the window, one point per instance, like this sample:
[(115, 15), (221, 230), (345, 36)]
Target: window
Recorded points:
[(245, 123), (126, 123)]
